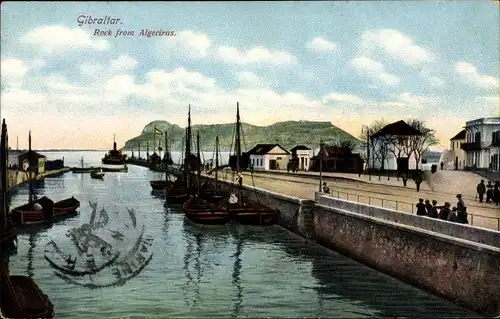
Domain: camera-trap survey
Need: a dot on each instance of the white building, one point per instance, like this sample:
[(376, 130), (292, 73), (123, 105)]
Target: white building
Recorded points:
[(390, 161), (303, 155), (268, 156), (482, 144), (454, 158)]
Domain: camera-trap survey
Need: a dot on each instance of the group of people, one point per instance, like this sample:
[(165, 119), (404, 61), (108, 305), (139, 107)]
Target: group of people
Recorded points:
[(457, 214), (492, 192)]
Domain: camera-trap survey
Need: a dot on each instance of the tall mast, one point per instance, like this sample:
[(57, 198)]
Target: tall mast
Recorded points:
[(114, 142), (4, 146), (198, 182), (321, 165), (147, 150), (154, 139), (186, 161), (166, 156), (238, 142), (216, 158), (30, 168), (189, 136), (139, 149)]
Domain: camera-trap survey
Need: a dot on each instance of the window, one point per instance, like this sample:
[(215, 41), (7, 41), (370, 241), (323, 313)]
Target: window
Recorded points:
[(477, 137), (278, 158)]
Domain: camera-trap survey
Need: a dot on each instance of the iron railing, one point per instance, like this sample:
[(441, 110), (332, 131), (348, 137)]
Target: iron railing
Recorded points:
[(474, 219)]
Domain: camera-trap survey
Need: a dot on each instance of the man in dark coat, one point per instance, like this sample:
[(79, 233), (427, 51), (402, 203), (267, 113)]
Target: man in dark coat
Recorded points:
[(421, 210), (433, 213), (445, 211), (418, 180), (489, 192), (481, 189)]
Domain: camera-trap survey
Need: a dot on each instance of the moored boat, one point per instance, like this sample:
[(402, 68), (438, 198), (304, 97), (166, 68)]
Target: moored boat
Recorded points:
[(97, 175), (124, 168), (178, 192), (83, 169), (240, 209), (37, 211), (66, 207), (164, 185), (209, 191), (201, 211)]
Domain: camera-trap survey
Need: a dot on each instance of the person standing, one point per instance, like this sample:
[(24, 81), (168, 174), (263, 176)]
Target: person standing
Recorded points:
[(481, 189), (496, 193), (489, 192), (418, 180), (428, 207), (445, 211), (433, 213), (421, 210)]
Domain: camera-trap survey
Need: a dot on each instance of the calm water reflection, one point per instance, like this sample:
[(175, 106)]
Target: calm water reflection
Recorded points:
[(218, 271)]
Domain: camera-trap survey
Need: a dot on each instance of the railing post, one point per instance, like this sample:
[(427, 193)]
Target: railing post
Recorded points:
[(397, 205), (358, 198), (472, 220), (412, 208), (498, 224), (382, 203), (338, 194), (369, 200)]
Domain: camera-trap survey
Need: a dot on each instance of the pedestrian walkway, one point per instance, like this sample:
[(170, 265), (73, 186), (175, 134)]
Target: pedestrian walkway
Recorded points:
[(444, 182)]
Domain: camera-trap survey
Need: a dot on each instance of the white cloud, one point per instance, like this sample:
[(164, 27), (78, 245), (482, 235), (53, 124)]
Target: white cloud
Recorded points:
[(319, 44), (345, 98), (255, 55), (413, 100), (246, 78), (395, 44), (189, 43), (13, 68), (469, 72), (58, 39), (375, 70), (123, 63)]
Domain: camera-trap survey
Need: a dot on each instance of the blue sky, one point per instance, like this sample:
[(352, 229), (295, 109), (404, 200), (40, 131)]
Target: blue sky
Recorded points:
[(349, 63)]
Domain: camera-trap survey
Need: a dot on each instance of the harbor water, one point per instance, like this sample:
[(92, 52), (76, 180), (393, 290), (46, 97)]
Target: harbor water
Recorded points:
[(210, 272)]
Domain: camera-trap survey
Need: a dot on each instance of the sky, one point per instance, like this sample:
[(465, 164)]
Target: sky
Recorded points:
[(349, 63)]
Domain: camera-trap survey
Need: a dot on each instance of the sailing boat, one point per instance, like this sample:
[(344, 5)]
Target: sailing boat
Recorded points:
[(209, 191), (36, 211), (242, 210), (180, 190), (160, 185), (199, 210)]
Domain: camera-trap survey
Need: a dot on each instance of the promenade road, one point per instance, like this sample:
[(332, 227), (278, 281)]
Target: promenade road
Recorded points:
[(389, 196)]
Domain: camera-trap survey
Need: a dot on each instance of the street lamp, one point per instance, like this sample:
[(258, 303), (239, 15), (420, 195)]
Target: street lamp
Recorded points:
[(366, 130)]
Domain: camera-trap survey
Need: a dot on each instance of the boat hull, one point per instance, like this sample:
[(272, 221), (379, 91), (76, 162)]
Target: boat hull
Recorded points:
[(84, 169), (214, 196), (251, 213), (110, 169), (27, 215), (203, 212), (97, 175), (161, 185), (113, 161), (65, 208)]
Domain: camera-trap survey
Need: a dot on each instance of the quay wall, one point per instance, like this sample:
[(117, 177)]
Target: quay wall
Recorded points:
[(17, 178), (464, 231), (460, 270)]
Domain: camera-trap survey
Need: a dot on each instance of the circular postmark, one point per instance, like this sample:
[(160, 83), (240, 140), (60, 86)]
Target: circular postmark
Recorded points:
[(97, 254)]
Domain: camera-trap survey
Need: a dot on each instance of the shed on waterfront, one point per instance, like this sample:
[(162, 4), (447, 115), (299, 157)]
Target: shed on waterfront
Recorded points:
[(33, 160)]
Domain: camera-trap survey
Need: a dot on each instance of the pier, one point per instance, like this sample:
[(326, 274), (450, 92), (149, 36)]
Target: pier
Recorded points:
[(17, 178)]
